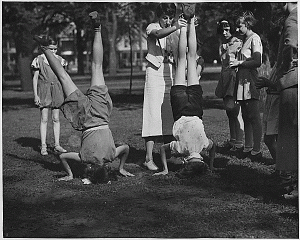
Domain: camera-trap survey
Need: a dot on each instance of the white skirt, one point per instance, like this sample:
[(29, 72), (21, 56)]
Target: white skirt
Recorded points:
[(157, 111)]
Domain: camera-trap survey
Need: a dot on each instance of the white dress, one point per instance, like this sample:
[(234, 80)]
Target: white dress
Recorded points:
[(157, 112)]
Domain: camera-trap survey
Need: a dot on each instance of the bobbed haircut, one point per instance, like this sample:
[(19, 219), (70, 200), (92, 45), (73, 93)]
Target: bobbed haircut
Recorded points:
[(224, 23), (166, 9), (247, 18)]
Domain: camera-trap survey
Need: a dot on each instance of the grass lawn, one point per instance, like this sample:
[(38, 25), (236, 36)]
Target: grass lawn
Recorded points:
[(232, 204)]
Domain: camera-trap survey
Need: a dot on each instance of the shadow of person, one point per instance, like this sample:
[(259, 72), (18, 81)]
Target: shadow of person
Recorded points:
[(34, 143)]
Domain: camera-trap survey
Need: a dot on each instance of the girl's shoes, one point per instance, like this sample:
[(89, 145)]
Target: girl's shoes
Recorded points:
[(151, 165), (44, 150), (59, 149)]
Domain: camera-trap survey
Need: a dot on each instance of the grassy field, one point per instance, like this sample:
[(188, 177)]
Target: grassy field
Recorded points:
[(231, 204)]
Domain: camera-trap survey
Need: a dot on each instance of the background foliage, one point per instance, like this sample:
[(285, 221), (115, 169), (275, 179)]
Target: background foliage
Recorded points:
[(23, 19)]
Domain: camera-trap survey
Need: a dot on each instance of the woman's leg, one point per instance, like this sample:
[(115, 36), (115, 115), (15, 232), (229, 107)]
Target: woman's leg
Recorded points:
[(255, 120), (122, 152), (235, 126), (192, 76), (149, 142), (247, 128), (68, 156), (231, 122), (43, 130), (97, 58)]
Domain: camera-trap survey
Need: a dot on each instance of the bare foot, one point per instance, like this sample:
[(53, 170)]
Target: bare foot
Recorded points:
[(66, 178), (164, 172), (125, 173)]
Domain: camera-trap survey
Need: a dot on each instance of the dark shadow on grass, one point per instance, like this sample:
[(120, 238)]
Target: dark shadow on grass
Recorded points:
[(52, 163), (44, 161), (34, 143), (16, 104)]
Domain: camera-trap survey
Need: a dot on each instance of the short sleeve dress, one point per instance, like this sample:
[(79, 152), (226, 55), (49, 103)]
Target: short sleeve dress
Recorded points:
[(246, 88), (90, 113), (49, 88), (228, 52)]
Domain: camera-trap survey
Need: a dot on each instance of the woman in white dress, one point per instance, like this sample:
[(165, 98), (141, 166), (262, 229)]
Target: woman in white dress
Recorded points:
[(162, 38)]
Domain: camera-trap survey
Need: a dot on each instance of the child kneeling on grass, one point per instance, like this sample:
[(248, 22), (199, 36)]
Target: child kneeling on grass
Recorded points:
[(90, 114), (186, 102)]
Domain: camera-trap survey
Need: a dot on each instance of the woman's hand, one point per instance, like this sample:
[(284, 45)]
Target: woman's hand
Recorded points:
[(181, 22), (37, 100), (234, 63)]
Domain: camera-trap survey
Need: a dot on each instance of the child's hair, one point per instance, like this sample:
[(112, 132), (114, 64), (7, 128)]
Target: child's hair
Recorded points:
[(166, 9), (99, 173), (224, 23), (246, 18), (96, 173)]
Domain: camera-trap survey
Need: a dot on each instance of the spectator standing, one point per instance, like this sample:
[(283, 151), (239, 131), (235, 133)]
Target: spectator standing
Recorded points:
[(161, 39), (228, 50), (48, 94), (287, 61), (249, 59)]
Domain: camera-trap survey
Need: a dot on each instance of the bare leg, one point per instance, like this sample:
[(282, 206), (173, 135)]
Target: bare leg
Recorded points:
[(192, 77), (149, 149), (68, 156), (43, 128), (180, 70), (56, 126), (122, 152), (97, 60), (67, 84)]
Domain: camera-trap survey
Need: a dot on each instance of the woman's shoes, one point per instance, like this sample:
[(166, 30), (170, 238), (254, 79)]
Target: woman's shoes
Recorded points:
[(59, 149), (44, 150), (150, 165)]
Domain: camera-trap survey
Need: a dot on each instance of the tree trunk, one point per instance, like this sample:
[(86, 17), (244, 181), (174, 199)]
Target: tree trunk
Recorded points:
[(25, 72), (112, 47), (80, 49)]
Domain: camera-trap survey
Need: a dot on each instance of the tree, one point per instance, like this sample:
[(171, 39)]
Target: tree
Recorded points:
[(19, 19)]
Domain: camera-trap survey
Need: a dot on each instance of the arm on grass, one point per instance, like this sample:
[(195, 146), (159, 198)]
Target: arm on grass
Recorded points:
[(163, 157)]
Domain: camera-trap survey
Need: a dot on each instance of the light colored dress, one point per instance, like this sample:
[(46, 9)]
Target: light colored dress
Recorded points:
[(49, 88), (246, 87), (157, 112), (190, 137)]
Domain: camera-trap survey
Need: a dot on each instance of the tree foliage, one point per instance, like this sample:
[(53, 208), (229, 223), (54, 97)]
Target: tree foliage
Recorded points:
[(22, 19)]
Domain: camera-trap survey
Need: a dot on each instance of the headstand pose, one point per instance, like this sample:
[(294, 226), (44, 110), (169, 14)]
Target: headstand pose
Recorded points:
[(89, 113), (186, 102)]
